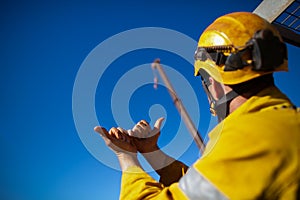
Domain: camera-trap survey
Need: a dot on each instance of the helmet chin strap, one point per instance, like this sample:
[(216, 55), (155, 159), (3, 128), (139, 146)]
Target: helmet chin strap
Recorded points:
[(220, 107)]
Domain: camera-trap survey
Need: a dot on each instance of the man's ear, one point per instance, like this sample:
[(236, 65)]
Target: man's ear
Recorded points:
[(216, 88)]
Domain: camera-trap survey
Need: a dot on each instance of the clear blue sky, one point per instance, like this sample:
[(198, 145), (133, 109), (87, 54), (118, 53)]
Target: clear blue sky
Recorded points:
[(44, 44)]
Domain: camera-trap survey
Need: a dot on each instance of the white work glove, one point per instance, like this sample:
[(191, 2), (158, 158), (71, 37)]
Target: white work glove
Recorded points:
[(143, 130)]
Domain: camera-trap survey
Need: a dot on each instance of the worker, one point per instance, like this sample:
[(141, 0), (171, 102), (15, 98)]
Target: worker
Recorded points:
[(253, 152)]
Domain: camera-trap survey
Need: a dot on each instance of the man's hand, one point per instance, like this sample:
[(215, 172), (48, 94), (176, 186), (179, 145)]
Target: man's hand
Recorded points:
[(145, 141), (144, 138), (119, 142), (117, 139)]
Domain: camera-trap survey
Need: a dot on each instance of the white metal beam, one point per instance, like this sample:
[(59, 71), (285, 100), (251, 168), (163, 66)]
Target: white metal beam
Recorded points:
[(271, 9)]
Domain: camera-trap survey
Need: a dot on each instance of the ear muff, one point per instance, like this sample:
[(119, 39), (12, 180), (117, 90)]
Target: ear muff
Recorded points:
[(268, 52)]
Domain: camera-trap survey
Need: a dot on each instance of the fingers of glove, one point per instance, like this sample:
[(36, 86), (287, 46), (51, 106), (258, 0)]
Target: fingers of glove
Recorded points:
[(136, 131), (130, 132), (141, 131), (123, 134), (146, 129), (102, 131), (158, 123), (144, 122), (115, 133), (157, 126), (104, 134)]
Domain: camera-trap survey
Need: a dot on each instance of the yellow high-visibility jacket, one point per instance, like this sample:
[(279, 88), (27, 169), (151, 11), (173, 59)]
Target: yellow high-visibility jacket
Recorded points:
[(253, 154)]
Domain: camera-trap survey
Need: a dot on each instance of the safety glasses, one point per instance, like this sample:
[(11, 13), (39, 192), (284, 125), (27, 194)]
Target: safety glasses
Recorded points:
[(215, 53)]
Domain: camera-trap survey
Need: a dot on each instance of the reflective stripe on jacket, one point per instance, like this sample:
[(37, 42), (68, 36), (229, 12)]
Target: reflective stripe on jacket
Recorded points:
[(253, 154)]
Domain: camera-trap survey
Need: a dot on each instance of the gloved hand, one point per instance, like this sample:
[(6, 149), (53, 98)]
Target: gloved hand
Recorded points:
[(144, 138), (120, 143), (117, 140)]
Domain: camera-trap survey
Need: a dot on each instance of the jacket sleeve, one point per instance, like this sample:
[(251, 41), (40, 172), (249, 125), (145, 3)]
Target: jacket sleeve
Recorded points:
[(137, 184), (172, 173)]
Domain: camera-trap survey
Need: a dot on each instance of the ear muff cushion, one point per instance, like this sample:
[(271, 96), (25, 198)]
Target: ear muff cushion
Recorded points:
[(268, 52)]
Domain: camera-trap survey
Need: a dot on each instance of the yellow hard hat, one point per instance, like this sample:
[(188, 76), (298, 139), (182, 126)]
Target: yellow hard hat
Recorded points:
[(244, 40)]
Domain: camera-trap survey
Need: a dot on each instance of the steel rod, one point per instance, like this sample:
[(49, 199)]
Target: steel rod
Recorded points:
[(180, 107)]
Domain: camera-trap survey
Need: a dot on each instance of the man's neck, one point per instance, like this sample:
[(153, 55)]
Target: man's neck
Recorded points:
[(236, 102)]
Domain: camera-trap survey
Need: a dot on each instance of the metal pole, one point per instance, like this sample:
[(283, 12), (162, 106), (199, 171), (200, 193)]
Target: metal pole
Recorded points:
[(180, 107), (270, 9)]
